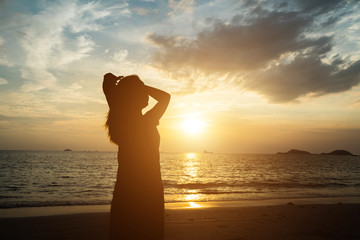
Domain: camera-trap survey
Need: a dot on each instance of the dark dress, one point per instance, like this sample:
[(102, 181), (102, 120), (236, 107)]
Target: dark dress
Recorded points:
[(137, 208)]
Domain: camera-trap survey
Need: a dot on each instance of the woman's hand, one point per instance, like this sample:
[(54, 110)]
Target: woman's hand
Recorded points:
[(157, 94)]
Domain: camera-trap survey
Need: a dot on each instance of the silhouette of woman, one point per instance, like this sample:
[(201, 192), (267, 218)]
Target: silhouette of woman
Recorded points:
[(137, 208)]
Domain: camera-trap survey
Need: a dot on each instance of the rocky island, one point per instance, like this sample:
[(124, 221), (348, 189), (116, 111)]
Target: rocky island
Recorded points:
[(295, 151), (335, 152), (339, 152)]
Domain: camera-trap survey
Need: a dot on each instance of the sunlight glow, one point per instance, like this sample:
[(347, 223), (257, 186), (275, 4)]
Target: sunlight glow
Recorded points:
[(192, 197), (194, 205), (191, 168), (192, 125), (190, 156)]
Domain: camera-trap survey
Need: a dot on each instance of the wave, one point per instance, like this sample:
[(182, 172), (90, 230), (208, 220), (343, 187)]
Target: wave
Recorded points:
[(52, 203), (256, 185)]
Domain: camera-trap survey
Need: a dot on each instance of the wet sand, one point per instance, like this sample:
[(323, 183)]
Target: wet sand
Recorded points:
[(223, 221)]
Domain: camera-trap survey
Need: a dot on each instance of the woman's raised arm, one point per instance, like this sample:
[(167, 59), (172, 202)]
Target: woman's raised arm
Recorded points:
[(163, 99)]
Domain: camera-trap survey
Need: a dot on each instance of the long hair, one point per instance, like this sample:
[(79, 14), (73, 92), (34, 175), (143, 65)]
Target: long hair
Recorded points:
[(129, 97)]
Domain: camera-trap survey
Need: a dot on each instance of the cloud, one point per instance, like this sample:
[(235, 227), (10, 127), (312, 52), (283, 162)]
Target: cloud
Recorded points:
[(38, 79), (3, 81), (142, 11), (50, 45), (118, 62), (120, 9), (3, 58), (232, 46), (29, 120), (320, 6), (180, 6), (282, 54), (55, 37), (304, 75), (356, 103)]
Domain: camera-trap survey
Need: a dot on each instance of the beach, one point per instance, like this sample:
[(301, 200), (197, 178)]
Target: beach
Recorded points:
[(281, 219)]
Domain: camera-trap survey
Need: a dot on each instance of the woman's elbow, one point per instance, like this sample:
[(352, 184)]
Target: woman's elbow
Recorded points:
[(167, 97)]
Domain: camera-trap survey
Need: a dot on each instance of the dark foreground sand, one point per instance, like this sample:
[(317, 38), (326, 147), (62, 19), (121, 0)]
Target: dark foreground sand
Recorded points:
[(286, 221)]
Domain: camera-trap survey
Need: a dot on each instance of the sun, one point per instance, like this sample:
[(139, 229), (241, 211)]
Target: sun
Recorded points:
[(192, 125)]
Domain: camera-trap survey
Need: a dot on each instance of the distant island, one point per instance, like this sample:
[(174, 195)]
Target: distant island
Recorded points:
[(68, 150), (335, 152), (295, 151), (339, 152)]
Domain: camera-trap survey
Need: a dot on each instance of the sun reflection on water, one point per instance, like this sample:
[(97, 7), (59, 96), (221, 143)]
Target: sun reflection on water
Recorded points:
[(192, 196), (191, 167), (194, 205)]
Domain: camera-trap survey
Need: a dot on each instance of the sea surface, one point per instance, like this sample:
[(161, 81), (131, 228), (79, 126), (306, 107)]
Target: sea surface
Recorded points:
[(57, 178)]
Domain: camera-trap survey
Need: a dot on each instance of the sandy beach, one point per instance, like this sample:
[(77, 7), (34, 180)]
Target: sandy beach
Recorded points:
[(221, 221)]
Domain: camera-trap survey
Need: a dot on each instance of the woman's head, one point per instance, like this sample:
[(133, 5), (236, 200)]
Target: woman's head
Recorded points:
[(129, 99), (131, 91)]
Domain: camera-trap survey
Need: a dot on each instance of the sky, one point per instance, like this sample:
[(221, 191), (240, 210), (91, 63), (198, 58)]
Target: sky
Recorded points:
[(247, 76)]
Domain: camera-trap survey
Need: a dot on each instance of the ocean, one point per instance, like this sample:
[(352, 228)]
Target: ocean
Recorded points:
[(64, 178)]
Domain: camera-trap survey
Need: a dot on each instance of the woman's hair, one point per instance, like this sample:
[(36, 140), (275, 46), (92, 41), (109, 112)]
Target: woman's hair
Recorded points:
[(129, 98)]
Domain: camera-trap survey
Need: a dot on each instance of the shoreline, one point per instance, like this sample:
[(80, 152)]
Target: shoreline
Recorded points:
[(302, 219), (82, 209)]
